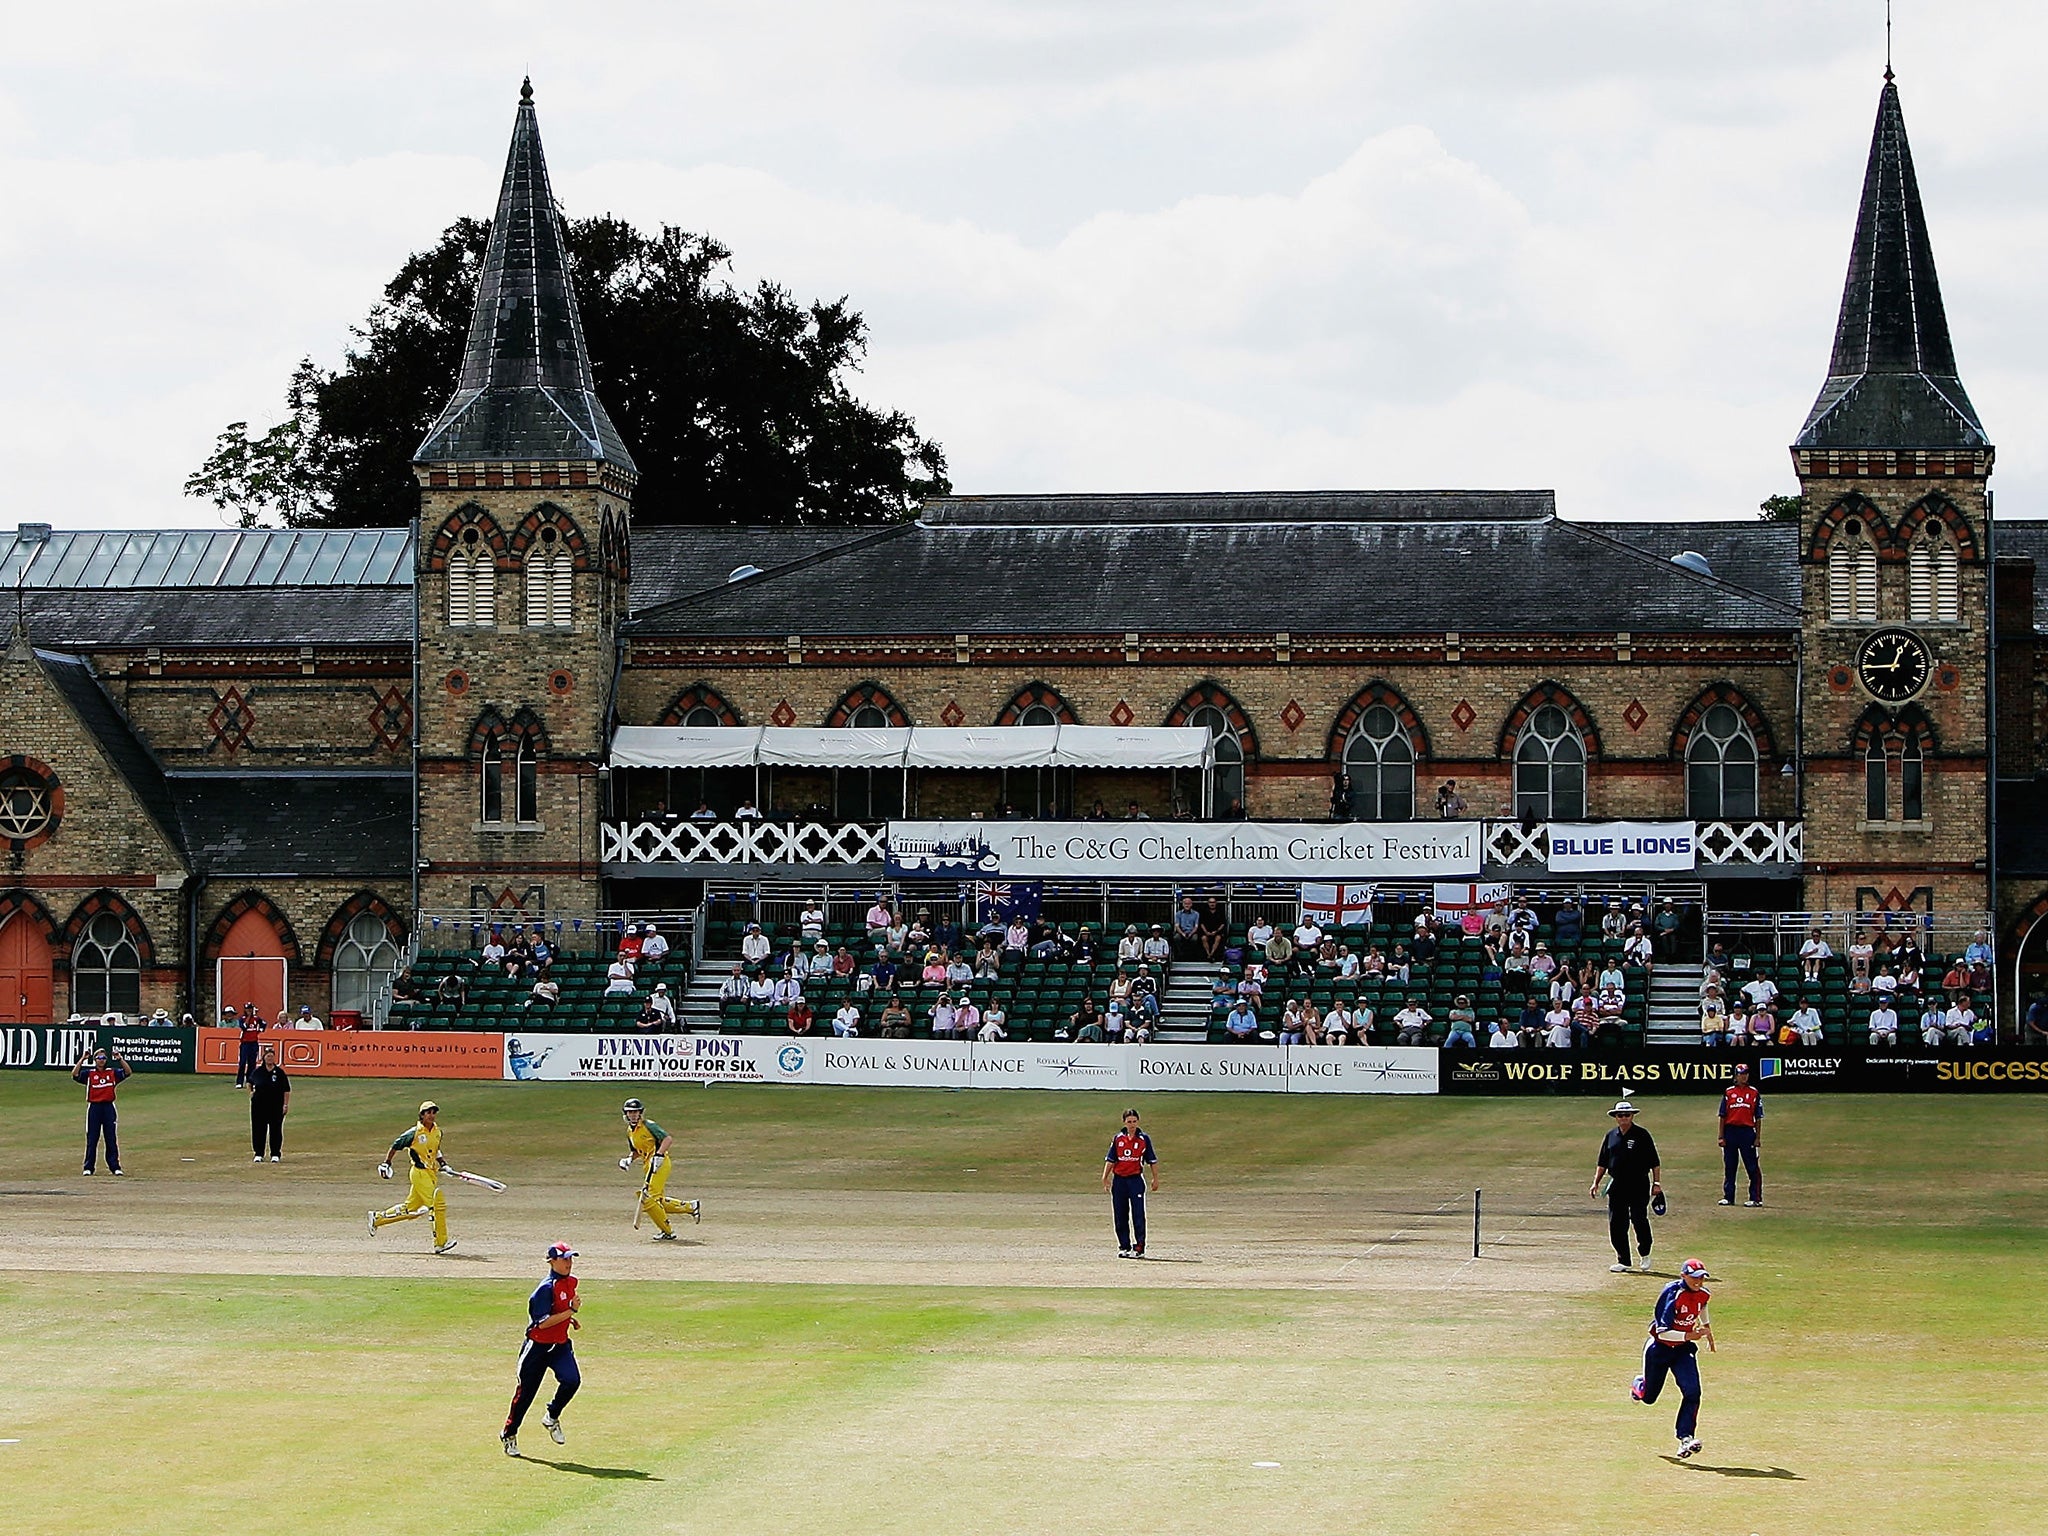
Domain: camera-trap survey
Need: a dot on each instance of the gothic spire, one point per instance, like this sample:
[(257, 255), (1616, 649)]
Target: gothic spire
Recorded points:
[(1892, 382), (525, 391)]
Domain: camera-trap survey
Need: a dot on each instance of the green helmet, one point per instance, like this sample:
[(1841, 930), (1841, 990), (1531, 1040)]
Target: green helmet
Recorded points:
[(631, 1105)]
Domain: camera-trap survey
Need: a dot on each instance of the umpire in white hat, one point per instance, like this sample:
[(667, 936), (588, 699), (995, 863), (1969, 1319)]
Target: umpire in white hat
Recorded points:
[(1628, 1161)]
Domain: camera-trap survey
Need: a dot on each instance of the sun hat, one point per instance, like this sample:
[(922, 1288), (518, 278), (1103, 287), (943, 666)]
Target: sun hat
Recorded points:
[(1623, 1108)]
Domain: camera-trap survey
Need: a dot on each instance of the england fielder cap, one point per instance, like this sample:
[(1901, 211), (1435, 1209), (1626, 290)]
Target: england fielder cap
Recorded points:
[(560, 1251), (1693, 1269), (1623, 1108), (430, 1105), (1742, 1066)]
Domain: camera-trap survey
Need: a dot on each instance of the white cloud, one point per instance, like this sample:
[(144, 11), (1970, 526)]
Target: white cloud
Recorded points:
[(1593, 245)]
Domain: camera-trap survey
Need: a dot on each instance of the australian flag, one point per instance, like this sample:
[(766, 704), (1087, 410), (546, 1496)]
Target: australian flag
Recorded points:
[(1001, 900)]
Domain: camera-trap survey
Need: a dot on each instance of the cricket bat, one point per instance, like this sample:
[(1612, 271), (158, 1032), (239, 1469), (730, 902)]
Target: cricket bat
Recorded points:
[(640, 1200), (476, 1178)]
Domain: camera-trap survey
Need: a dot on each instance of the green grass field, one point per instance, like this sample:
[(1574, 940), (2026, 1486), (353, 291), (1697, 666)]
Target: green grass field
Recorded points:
[(903, 1314)]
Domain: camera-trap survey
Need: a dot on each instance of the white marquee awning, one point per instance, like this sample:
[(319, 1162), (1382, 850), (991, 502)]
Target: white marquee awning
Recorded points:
[(1010, 746)]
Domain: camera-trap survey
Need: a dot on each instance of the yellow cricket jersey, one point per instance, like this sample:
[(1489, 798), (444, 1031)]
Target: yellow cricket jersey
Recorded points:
[(425, 1146), (645, 1137)]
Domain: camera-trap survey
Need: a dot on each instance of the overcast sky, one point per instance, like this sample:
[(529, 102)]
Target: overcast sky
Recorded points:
[(1108, 245)]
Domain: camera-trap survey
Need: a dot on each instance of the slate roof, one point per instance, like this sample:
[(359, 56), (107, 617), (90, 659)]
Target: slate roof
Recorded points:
[(1892, 381), (525, 390), (74, 678), (1749, 553), (86, 618), (2012, 537), (346, 825), (1343, 563), (674, 562)]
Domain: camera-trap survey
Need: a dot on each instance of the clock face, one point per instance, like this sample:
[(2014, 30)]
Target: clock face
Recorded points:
[(1893, 665)]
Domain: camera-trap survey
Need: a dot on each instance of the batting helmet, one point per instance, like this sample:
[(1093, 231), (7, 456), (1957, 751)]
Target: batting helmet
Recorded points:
[(631, 1105)]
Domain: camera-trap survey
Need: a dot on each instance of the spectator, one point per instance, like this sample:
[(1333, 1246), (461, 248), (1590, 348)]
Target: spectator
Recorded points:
[(879, 977), (1212, 929), (1084, 1016), (1223, 996), (453, 992), (761, 988), (1886, 982), (1761, 991), (959, 971), (846, 1022), (933, 972), (1259, 934), (895, 1019), (546, 993), (1806, 1021), (405, 987), (1860, 951), (734, 988), (1635, 949), (1884, 1024), (1664, 930), (1017, 937), (619, 979), (1813, 954), (747, 811), (1130, 949), (754, 948), (966, 1017), (493, 952), (878, 920), (1157, 950), (1713, 1024), (1145, 993), (2037, 1024), (994, 1024), (1187, 927), (1542, 965), (1568, 927), (647, 1018), (1530, 1026), (799, 1017), (1374, 966), (1280, 953), (1960, 1022), (1557, 1027), (703, 812), (1340, 797), (1243, 1023), (1450, 805), (1502, 1038), (1763, 1027), (631, 944), (1345, 967), (1613, 921), (663, 1005), (1290, 1022), (785, 991), (1397, 965), (1411, 1024), (1459, 1026), (653, 947), (1252, 984), (810, 922), (307, 1019)]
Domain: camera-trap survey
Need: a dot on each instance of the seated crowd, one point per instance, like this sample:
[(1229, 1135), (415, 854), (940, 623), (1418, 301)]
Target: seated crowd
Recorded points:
[(518, 975), (1816, 995)]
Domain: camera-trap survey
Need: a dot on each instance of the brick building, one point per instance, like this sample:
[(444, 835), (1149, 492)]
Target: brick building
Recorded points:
[(272, 754)]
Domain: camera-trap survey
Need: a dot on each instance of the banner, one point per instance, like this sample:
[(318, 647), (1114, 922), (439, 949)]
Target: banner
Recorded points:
[(59, 1046), (1185, 850), (362, 1052), (877, 1063), (1337, 906), (1676, 1069), (1471, 896), (1592, 848)]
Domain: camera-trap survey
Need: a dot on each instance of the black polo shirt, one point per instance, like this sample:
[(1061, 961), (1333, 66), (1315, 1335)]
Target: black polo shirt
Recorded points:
[(268, 1087), (1628, 1156)]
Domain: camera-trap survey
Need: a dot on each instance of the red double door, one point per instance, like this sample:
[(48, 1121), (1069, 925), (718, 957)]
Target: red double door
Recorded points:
[(27, 991)]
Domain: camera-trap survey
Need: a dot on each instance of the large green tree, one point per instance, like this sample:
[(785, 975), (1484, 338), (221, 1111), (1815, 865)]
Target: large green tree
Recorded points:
[(736, 403)]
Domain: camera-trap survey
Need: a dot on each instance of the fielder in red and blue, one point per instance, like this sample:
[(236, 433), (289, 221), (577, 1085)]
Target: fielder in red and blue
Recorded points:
[(1679, 1319), (551, 1311), (1125, 1173), (1742, 1135)]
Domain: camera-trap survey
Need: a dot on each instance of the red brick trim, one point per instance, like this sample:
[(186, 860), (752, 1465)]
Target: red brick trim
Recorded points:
[(348, 912), (1937, 508), (1548, 693), (548, 515), (1879, 724), (104, 900), (44, 777), (1723, 692), (250, 901), (862, 694), (1212, 693), (1372, 693), (700, 695), (452, 527), (1830, 522), (1034, 695)]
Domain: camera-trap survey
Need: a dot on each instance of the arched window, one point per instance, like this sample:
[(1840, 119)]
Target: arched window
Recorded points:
[(106, 969), (1875, 800), (1912, 782), (491, 775), (1038, 714), (472, 581), (1228, 783), (1895, 773), (1852, 575), (701, 714), (868, 717), (363, 960), (1550, 769), (1720, 768), (1381, 761), (526, 794), (550, 581), (1932, 568)]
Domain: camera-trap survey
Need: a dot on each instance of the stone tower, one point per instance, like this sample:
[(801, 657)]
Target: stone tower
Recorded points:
[(523, 563), (1893, 465)]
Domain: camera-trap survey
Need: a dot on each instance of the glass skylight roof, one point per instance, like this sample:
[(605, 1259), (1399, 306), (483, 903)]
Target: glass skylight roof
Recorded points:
[(236, 557)]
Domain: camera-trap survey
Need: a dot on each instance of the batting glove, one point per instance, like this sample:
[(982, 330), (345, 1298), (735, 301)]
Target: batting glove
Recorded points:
[(625, 1165), (383, 1170), (654, 1163)]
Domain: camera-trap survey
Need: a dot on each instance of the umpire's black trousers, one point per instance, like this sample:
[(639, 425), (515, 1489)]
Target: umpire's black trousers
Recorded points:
[(266, 1124), (1628, 1208)]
